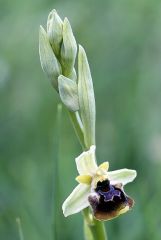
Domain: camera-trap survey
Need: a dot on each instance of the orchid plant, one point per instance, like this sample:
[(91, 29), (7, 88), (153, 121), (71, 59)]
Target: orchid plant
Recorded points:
[(99, 193)]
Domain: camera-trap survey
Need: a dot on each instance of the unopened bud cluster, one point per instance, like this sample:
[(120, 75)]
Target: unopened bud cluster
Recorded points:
[(57, 48), (58, 52)]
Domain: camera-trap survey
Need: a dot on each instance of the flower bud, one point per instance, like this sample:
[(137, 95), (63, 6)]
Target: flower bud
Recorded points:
[(68, 91), (55, 31), (49, 62), (68, 49)]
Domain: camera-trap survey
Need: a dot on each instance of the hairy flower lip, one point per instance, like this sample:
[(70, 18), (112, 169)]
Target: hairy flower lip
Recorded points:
[(109, 201), (88, 193)]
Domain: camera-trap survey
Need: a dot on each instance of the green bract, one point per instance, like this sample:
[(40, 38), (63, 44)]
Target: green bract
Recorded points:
[(86, 98)]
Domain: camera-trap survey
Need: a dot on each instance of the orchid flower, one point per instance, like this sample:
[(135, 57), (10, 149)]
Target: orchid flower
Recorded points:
[(99, 188)]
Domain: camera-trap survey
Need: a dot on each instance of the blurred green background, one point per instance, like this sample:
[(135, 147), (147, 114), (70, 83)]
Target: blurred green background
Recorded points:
[(123, 43)]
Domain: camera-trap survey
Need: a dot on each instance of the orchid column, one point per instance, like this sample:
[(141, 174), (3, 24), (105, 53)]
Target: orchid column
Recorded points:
[(99, 194)]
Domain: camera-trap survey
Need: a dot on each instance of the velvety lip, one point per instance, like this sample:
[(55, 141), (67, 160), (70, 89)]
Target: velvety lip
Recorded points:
[(109, 201)]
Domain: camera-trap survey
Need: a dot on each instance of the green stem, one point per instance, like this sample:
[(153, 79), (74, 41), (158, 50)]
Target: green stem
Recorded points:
[(78, 127), (93, 228), (56, 182), (21, 236)]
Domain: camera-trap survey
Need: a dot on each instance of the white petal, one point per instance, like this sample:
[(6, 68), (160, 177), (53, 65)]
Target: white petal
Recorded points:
[(123, 176), (86, 162), (77, 200)]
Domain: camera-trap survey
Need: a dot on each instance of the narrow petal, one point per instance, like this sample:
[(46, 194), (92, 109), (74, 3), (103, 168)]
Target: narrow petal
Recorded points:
[(86, 162), (122, 176), (85, 179), (77, 200)]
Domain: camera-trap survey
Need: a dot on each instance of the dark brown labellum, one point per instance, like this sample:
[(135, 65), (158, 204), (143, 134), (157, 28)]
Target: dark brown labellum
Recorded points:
[(107, 200)]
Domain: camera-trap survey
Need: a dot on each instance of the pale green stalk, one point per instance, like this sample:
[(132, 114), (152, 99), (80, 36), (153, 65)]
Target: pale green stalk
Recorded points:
[(21, 237), (93, 229), (56, 188)]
